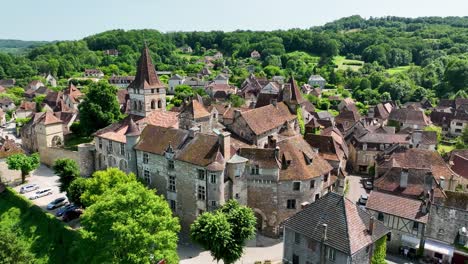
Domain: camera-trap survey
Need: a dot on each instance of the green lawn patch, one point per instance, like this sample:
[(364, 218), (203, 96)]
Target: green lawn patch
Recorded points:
[(48, 238), (73, 141), (400, 69), (344, 63)]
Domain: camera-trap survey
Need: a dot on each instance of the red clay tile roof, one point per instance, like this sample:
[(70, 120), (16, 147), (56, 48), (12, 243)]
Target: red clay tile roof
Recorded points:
[(263, 119), (30, 106), (417, 184), (298, 151), (347, 224), (409, 115), (146, 76), (156, 139), (417, 159), (161, 118), (264, 158), (460, 165), (201, 150), (396, 205), (48, 118)]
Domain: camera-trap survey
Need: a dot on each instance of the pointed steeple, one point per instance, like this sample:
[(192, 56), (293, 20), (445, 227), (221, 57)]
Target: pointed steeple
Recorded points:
[(296, 95), (146, 76), (132, 129)]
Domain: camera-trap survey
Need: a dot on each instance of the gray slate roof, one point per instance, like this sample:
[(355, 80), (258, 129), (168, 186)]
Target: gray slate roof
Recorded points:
[(347, 224)]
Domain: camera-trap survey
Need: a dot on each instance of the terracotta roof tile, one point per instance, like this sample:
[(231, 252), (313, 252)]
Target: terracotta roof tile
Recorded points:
[(263, 119), (146, 77), (396, 205)]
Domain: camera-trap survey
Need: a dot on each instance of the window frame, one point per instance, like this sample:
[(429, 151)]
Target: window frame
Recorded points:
[(172, 183), (201, 193), (145, 158)]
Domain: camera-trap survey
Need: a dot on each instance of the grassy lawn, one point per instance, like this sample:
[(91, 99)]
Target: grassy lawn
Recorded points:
[(47, 237), (344, 63), (73, 142), (396, 70)]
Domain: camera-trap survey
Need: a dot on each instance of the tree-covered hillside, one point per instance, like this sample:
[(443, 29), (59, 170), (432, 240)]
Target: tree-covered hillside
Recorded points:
[(404, 58), (18, 46)]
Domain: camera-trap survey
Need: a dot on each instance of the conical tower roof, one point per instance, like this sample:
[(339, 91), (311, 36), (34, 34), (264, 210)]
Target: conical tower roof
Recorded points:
[(146, 76), (296, 95), (132, 129)]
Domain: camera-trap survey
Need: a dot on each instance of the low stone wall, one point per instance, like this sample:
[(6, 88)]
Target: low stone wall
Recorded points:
[(84, 157)]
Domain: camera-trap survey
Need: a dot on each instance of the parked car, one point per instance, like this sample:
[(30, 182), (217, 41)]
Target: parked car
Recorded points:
[(368, 185), (29, 188), (57, 203), (71, 214), (66, 208), (41, 193), (363, 199)]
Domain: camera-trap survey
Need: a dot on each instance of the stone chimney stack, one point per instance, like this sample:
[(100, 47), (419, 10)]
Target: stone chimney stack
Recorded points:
[(404, 178), (225, 143), (442, 182), (324, 232), (322, 244), (371, 225)]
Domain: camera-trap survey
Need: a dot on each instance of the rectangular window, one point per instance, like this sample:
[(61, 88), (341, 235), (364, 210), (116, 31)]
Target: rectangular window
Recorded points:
[(297, 238), (213, 178), (415, 226), (145, 158), (172, 183), (291, 204), (255, 170), (312, 184), (459, 124), (100, 143), (201, 174), (110, 147), (331, 254), (173, 205), (237, 196), (213, 203), (311, 244), (201, 193), (170, 164), (325, 178), (122, 149), (296, 186), (380, 217), (147, 177)]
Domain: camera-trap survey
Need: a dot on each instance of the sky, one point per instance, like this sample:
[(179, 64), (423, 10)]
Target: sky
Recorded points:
[(75, 19)]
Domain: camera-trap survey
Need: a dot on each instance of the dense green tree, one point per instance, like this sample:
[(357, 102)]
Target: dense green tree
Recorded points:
[(99, 108), (225, 232), (236, 100), (102, 181), (130, 224), (24, 163), (67, 170), (457, 73), (76, 189), (12, 249), (380, 251)]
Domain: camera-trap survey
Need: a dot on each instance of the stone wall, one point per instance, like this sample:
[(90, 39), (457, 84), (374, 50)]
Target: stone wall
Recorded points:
[(444, 223), (84, 157)]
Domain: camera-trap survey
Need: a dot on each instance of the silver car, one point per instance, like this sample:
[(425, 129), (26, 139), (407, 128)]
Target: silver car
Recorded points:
[(41, 193), (29, 188)]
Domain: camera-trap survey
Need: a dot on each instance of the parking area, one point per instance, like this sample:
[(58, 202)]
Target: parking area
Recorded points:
[(356, 187)]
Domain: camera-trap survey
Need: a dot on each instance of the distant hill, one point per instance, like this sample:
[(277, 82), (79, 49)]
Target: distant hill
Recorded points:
[(19, 46)]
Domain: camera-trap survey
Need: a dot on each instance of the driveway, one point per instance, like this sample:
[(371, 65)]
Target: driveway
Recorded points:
[(258, 249), (45, 178), (356, 189)]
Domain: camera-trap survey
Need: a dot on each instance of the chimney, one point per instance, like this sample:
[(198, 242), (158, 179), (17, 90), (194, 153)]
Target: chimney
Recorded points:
[(424, 207), (274, 102), (224, 139), (271, 142), (277, 149), (237, 113), (322, 245), (371, 225), (193, 131), (324, 232), (404, 178), (442, 182)]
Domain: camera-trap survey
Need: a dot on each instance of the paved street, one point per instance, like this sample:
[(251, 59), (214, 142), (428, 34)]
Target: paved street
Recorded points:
[(271, 250), (356, 189), (10, 131)]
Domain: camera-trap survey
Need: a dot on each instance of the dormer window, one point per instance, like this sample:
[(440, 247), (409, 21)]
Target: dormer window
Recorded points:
[(152, 91)]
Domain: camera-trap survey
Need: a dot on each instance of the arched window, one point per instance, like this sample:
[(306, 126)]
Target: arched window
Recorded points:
[(153, 104), (160, 104), (56, 141), (123, 165)]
